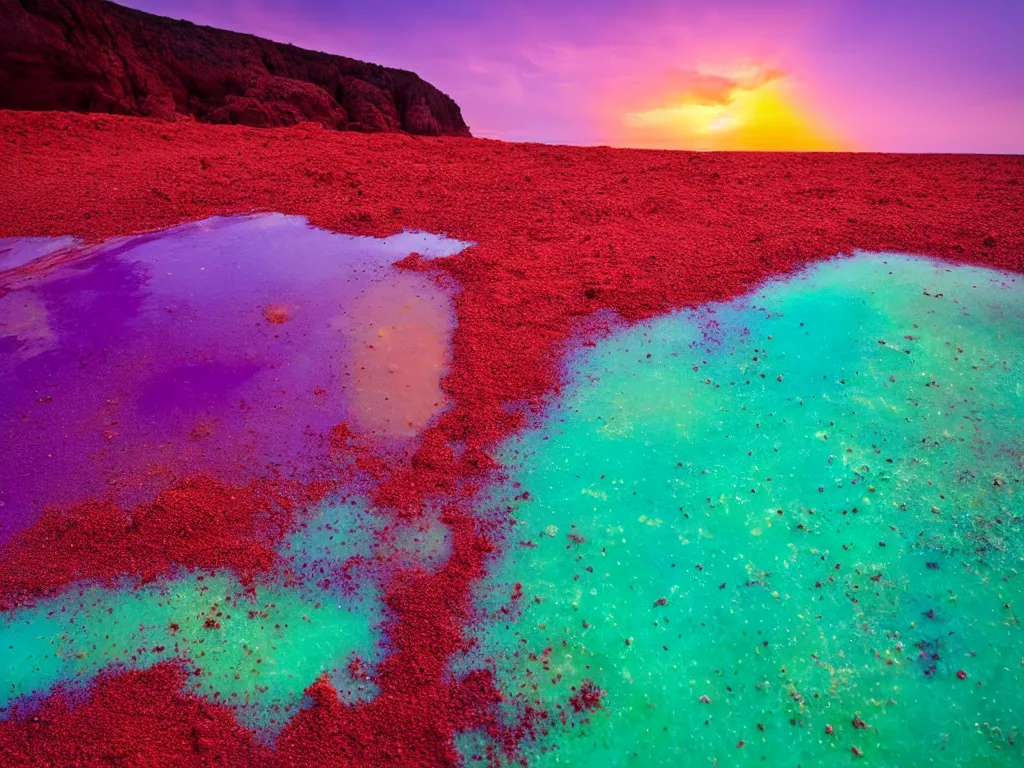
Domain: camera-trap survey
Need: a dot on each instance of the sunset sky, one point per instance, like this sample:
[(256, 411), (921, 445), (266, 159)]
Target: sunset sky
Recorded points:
[(872, 75)]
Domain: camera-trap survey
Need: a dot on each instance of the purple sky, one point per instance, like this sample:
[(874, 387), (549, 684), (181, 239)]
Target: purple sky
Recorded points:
[(885, 75)]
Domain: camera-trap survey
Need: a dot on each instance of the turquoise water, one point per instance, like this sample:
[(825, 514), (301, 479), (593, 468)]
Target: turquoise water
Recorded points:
[(753, 523), (255, 649)]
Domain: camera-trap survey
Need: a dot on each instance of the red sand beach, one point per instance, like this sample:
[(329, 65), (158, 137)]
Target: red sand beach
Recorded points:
[(560, 232)]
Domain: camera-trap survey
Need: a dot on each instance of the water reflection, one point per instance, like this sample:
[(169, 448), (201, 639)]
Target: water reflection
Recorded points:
[(229, 346), (399, 334)]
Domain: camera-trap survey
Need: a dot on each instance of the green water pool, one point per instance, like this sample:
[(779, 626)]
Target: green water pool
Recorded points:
[(255, 647), (783, 531)]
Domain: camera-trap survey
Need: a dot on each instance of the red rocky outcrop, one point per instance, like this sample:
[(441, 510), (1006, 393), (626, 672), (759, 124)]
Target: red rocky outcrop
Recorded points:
[(94, 56)]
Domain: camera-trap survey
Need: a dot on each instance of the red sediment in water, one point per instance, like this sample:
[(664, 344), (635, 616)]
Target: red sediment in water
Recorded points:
[(133, 718), (412, 720), (587, 698), (198, 523), (561, 232), (414, 262), (275, 315)]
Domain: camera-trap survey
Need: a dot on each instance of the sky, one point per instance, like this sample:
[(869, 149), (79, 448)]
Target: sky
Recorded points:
[(861, 75)]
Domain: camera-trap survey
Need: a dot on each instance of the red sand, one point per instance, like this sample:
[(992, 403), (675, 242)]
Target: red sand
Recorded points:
[(135, 718), (561, 232), (197, 524)]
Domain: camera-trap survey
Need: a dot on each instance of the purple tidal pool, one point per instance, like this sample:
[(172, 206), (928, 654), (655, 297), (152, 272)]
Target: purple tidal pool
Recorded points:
[(230, 346), (16, 251)]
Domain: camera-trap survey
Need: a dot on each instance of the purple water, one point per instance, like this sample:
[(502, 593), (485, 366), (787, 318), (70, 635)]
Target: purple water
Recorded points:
[(17, 251), (229, 346)]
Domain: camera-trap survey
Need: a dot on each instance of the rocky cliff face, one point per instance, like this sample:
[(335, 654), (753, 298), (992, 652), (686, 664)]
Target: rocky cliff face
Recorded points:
[(94, 56)]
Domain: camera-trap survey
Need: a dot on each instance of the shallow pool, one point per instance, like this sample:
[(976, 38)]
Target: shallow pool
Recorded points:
[(229, 346), (784, 530)]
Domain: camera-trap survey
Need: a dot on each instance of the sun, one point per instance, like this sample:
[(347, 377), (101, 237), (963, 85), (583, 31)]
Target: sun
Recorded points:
[(749, 111)]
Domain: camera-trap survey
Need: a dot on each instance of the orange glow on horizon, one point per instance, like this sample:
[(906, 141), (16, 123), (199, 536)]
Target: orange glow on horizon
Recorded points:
[(752, 110)]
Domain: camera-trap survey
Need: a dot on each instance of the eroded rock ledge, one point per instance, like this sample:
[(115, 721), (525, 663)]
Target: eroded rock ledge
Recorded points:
[(95, 56)]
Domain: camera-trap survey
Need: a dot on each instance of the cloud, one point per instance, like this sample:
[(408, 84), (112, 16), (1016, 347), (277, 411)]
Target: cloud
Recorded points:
[(695, 86)]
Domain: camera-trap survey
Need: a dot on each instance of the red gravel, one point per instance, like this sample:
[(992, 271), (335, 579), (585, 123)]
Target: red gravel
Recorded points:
[(198, 523), (134, 718), (561, 232)]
